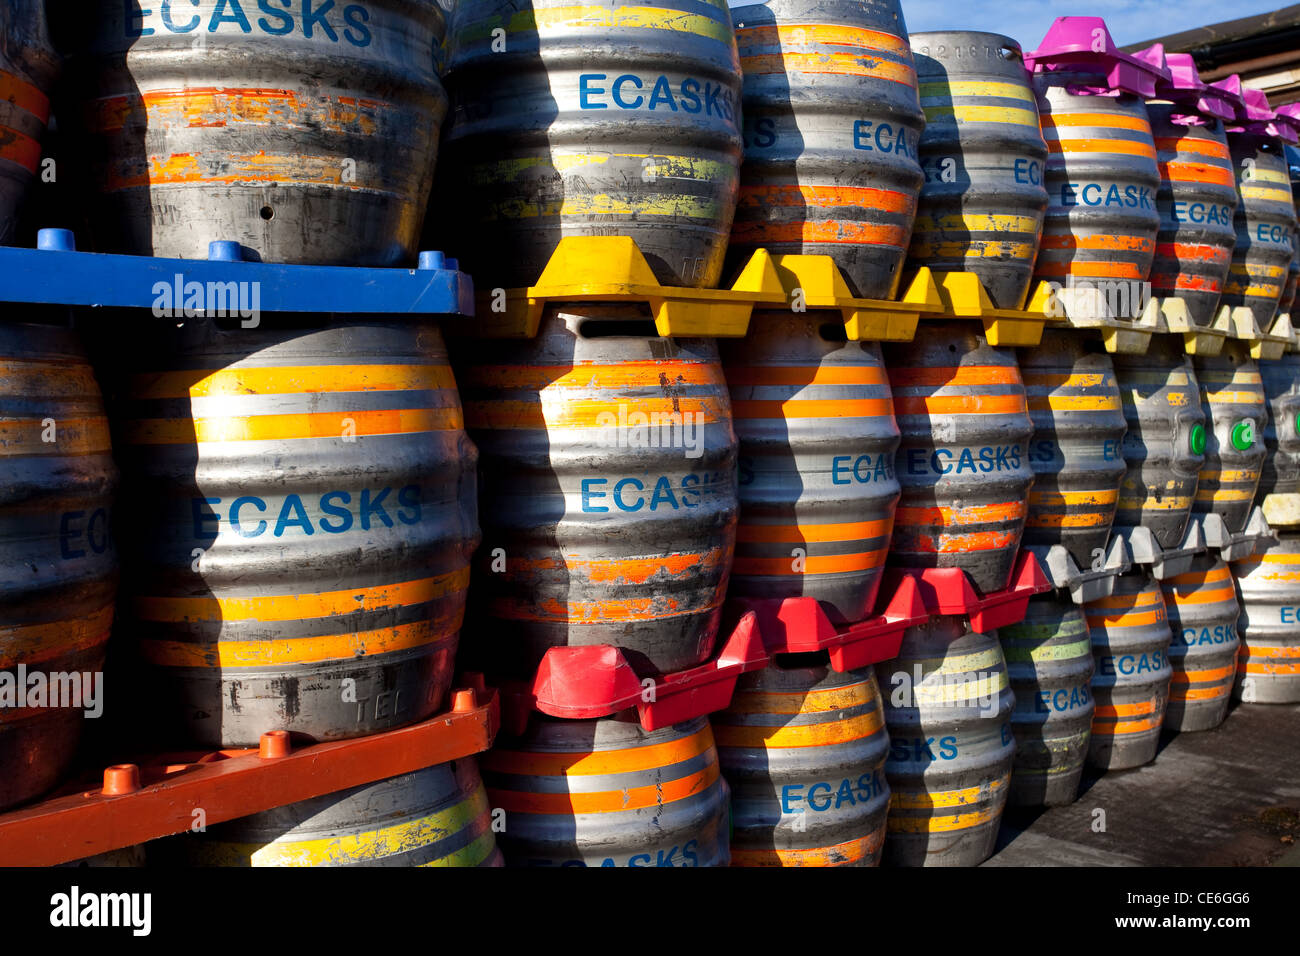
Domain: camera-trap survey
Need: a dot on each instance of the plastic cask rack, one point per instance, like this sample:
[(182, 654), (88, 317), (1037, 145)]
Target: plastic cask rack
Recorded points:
[(1162, 563), (613, 269), (798, 625), (815, 282), (1197, 339), (54, 273), (1254, 538), (578, 683), (1073, 42), (963, 296), (1088, 584), (156, 796), (1089, 308), (1263, 345), (949, 591)]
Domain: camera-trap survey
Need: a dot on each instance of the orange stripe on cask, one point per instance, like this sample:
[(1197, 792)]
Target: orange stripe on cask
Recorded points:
[(812, 564), (583, 375), (1196, 173), (586, 763), (633, 798), (842, 64), (800, 533), (23, 95), (840, 854), (1054, 121), (959, 404), (1190, 144), (793, 35), (972, 514), (238, 428), (1125, 146), (842, 230), (297, 607), (813, 408), (826, 197)]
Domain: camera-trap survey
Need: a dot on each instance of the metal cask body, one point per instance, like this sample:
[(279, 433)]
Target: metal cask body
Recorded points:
[(579, 120), (607, 793), (962, 463), (1050, 665), (58, 564), (1076, 451), (815, 422), (608, 483), (438, 816), (1196, 201), (1287, 302), (1102, 181), (1265, 223), (1164, 447), (1232, 396), (948, 708), (831, 130), (1268, 666), (983, 155), (1281, 471), (803, 749), (306, 506), (27, 69), (1203, 611), (308, 136), (1130, 644)]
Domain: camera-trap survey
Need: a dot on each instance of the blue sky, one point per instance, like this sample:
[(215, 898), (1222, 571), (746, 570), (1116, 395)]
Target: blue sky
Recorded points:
[(1129, 21)]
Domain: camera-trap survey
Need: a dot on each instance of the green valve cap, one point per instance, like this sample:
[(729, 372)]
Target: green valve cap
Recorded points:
[(1243, 435), (1297, 423), (1197, 440)]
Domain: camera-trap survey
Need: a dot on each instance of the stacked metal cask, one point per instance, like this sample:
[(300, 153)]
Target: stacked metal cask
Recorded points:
[(1098, 235), (595, 533), (1268, 663), (58, 564), (300, 489), (964, 462)]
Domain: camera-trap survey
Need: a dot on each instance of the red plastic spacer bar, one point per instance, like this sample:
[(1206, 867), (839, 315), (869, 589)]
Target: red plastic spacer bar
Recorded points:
[(800, 625), (949, 591), (578, 683)]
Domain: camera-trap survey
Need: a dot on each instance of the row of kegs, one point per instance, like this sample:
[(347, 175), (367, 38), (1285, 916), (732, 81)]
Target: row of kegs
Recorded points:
[(810, 767), (321, 147), (300, 504), (300, 508)]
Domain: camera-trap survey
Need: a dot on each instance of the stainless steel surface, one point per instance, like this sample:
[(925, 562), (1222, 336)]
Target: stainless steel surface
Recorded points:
[(1049, 663), (948, 708), (1166, 427), (983, 155), (608, 483), (58, 561), (303, 506), (815, 421), (306, 134), (831, 128), (963, 463), (589, 120), (607, 793), (803, 749)]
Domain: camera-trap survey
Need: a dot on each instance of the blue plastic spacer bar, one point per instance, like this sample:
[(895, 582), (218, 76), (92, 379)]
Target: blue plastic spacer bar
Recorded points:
[(117, 281), (224, 250), (56, 240)]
